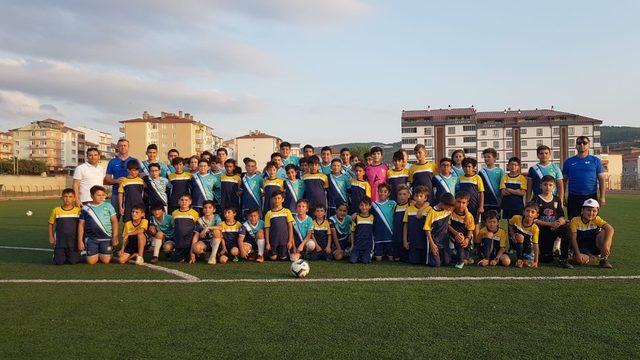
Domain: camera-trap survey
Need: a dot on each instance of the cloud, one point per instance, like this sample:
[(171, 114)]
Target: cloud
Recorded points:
[(17, 106), (115, 92)]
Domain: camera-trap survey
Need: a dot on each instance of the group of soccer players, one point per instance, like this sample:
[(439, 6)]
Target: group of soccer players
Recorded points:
[(325, 208)]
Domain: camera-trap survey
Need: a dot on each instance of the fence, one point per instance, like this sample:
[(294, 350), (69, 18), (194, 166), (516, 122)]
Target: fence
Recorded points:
[(34, 191)]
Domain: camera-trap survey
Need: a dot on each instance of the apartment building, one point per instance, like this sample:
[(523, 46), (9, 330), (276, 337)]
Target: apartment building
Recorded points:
[(256, 145), (40, 140), (6, 146), (101, 140), (510, 132)]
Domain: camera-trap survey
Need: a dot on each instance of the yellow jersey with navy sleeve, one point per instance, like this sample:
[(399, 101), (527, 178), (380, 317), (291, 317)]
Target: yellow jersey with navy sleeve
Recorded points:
[(133, 191), (322, 232), (229, 186), (491, 245), (184, 225), (180, 185), (416, 236), (530, 234), (513, 204), (396, 178), (358, 190), (362, 230), (65, 224), (437, 222), (277, 221), (474, 187), (315, 189), (586, 233), (130, 227), (462, 223), (231, 233), (422, 175)]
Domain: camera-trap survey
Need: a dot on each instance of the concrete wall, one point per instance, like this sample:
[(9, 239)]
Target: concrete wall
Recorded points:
[(26, 183)]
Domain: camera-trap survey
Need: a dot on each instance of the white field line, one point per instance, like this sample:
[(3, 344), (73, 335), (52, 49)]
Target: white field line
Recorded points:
[(178, 273)]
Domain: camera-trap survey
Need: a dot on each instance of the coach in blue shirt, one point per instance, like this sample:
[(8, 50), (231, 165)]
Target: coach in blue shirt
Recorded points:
[(117, 170), (584, 174)]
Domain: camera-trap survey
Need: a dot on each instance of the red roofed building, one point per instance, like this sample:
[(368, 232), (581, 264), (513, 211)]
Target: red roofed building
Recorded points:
[(510, 132), (256, 145)]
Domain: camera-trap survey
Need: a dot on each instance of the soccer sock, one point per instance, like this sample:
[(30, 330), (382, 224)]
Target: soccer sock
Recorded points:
[(215, 244), (260, 246), (157, 244), (518, 247)]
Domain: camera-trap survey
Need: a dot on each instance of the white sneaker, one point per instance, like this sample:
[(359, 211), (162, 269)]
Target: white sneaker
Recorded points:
[(556, 247), (139, 260), (212, 260)]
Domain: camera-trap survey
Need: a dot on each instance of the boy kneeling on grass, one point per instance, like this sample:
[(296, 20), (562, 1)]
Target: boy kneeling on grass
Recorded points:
[(134, 236), (591, 236), (161, 231), (524, 232), (493, 241), (98, 227)]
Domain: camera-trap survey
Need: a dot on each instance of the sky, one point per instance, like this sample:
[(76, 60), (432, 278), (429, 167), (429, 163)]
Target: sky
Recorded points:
[(314, 71)]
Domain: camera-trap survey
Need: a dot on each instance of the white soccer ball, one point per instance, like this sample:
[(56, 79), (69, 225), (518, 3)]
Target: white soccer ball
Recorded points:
[(311, 245), (300, 268), (29, 213)]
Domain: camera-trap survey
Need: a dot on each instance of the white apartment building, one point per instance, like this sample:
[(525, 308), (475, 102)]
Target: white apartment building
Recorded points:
[(102, 139), (510, 132), (256, 145)]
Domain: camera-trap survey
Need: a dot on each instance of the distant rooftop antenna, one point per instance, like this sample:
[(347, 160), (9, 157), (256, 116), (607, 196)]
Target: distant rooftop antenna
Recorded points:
[(551, 107), (449, 107), (428, 107)]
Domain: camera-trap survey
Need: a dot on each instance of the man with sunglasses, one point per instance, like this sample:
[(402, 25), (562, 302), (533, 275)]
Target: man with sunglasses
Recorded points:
[(584, 175)]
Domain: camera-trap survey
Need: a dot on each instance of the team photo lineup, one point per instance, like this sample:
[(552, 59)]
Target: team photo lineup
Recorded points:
[(208, 208)]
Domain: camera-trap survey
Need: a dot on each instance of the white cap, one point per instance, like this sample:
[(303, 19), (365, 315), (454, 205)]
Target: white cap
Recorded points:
[(591, 203)]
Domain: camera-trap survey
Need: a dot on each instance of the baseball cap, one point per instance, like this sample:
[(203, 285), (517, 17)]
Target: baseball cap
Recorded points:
[(590, 203)]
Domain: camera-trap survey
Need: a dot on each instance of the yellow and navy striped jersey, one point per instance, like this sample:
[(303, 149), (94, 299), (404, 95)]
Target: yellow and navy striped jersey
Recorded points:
[(231, 233), (180, 185), (415, 233), (130, 183), (422, 174), (462, 222), (530, 232), (65, 225), (357, 191), (398, 224), (396, 178), (269, 187), (437, 222), (133, 191), (184, 225), (474, 186), (513, 203), (130, 227), (321, 232), (500, 235), (586, 231), (315, 189), (277, 221), (229, 186), (362, 230)]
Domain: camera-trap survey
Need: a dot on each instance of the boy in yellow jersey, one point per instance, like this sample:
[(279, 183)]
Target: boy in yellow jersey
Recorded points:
[(278, 224), (493, 242), (63, 229), (134, 237), (130, 191), (322, 235), (591, 236), (359, 188), (230, 228), (271, 184), (436, 226), (524, 232), (185, 220), (472, 184), (461, 226), (398, 175), (422, 172), (414, 239)]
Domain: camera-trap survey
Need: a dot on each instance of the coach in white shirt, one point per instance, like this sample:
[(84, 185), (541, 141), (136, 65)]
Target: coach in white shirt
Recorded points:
[(87, 175)]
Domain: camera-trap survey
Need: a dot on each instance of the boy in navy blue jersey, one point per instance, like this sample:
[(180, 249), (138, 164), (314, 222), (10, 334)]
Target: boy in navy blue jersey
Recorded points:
[(130, 190), (278, 224), (315, 184), (359, 188), (362, 234), (184, 225), (63, 229), (414, 239), (474, 186), (272, 183), (383, 210), (398, 175), (230, 186), (514, 188), (461, 226), (180, 184), (403, 195), (436, 226), (322, 235), (555, 235), (340, 230)]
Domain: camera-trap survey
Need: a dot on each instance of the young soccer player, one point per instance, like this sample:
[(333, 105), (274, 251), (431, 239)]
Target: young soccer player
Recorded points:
[(345, 156), (180, 184), (303, 167), (457, 156), (539, 170), (473, 185), (192, 162), (461, 226), (491, 176), (422, 172), (98, 227), (403, 195), (445, 181), (362, 234), (252, 184), (322, 235), (341, 230), (230, 186), (251, 237), (493, 242), (130, 191), (278, 224), (368, 159), (397, 176), (161, 231), (552, 224), (156, 187), (525, 233), (223, 155), (63, 229), (513, 187), (134, 237), (376, 171), (325, 157), (276, 158), (315, 184), (230, 234), (338, 186), (293, 188), (383, 210), (436, 226), (271, 184), (303, 229), (308, 151), (359, 188), (209, 232), (287, 158), (152, 158), (591, 236), (203, 184), (184, 225), (171, 154), (413, 236)]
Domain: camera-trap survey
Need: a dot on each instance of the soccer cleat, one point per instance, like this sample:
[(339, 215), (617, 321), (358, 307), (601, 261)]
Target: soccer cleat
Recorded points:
[(605, 264), (139, 260), (154, 260), (260, 259), (212, 260), (565, 264), (235, 259), (459, 265), (556, 247)]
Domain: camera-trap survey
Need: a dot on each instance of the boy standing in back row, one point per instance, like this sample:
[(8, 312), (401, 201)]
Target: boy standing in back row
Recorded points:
[(63, 230), (491, 176)]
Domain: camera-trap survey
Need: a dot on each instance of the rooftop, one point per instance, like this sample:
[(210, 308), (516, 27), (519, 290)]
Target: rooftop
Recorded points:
[(505, 115), (257, 134)]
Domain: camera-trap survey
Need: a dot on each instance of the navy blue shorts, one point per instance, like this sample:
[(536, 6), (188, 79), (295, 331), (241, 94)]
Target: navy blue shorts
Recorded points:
[(322, 255), (398, 251), (443, 258), (280, 251), (382, 249), (418, 256), (181, 254), (344, 244), (360, 255), (65, 256), (588, 246), (98, 247), (132, 245)]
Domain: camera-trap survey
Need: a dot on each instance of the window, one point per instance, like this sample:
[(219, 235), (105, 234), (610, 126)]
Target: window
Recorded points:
[(572, 131), (525, 166), (451, 141), (483, 144), (164, 126), (596, 128), (495, 133), (509, 155), (556, 142), (523, 131), (73, 151), (409, 130), (429, 153), (33, 133), (507, 133), (538, 132), (539, 142), (412, 141), (428, 142), (556, 154), (483, 132), (556, 131), (523, 143), (496, 144), (523, 155), (585, 130), (451, 130), (427, 131), (43, 133), (508, 144), (596, 139), (469, 139), (469, 128), (596, 152)]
